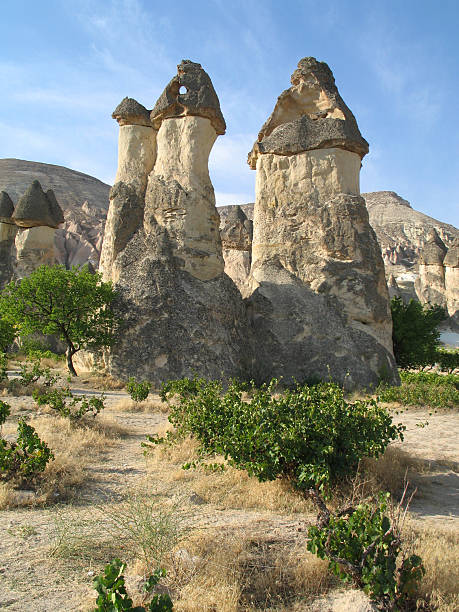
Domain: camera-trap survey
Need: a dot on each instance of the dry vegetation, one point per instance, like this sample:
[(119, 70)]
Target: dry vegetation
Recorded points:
[(228, 542)]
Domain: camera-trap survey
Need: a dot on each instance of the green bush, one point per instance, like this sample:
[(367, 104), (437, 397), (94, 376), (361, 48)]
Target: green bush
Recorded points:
[(21, 461), (423, 389), (362, 546), (138, 390), (447, 360), (67, 405), (3, 367), (415, 332), (112, 594), (7, 335), (309, 435), (31, 371)]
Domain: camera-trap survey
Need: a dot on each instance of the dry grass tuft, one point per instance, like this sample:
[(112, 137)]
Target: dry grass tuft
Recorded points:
[(152, 405), (101, 382), (439, 549), (228, 570), (230, 488), (74, 447)]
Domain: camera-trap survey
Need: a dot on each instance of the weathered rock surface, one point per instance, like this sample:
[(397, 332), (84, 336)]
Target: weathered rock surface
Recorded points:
[(319, 304), (83, 199), (309, 115), (33, 247), (414, 248), (36, 208), (181, 313), (236, 231)]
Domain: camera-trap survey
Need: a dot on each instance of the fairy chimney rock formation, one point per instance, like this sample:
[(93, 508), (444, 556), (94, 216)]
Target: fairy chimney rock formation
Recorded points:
[(430, 284), (136, 158), (236, 232), (451, 265), (320, 304), (8, 231), (37, 215), (162, 246)]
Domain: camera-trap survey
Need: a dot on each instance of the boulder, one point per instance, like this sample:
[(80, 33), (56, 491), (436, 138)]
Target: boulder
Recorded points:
[(319, 302)]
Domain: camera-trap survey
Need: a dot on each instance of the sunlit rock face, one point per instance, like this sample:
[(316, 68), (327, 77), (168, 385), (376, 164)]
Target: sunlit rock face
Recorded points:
[(236, 231), (181, 313), (320, 304)]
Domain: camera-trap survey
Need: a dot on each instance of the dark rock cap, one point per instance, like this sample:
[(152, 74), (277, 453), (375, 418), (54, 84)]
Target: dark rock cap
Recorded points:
[(434, 250), (199, 97), (130, 112), (309, 115), (6, 208), (37, 208)]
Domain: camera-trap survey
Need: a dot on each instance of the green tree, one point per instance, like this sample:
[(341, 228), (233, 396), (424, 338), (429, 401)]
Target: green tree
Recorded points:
[(415, 332), (72, 304)]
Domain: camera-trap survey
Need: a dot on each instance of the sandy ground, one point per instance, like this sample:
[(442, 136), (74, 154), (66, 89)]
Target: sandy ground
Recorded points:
[(30, 581)]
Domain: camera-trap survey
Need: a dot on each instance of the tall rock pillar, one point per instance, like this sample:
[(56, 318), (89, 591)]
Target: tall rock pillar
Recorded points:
[(136, 158), (320, 304), (181, 313), (451, 265), (430, 284)]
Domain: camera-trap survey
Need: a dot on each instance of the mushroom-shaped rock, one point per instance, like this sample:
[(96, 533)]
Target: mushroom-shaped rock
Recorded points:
[(131, 112), (37, 208), (189, 93), (309, 115), (6, 208), (434, 250)]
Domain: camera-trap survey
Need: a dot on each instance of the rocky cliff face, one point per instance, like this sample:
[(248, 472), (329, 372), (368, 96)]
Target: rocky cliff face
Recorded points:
[(83, 198)]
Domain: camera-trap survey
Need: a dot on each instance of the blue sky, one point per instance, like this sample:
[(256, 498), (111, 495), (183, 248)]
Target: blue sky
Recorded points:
[(65, 65)]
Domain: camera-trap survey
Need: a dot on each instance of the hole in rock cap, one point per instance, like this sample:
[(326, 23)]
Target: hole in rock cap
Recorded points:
[(182, 90)]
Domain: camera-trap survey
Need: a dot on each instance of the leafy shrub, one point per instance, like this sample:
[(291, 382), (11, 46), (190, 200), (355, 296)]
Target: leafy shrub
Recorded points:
[(448, 361), (112, 594), (30, 372), (22, 460), (70, 406), (423, 389), (7, 335), (415, 332), (308, 435), (138, 390), (3, 367), (362, 546)]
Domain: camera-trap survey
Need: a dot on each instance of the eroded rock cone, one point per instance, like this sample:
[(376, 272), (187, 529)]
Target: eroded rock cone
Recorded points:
[(451, 264), (320, 306), (181, 314)]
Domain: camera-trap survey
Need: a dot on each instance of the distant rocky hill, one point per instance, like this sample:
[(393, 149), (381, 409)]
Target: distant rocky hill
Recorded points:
[(83, 198), (401, 230)]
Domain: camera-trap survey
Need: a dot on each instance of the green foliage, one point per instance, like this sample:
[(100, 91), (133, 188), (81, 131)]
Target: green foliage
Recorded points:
[(308, 435), (7, 335), (31, 371), (447, 360), (4, 412), (3, 367), (138, 390), (423, 389), (112, 594), (36, 349), (72, 304), (362, 546), (70, 406), (22, 460), (415, 332)]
